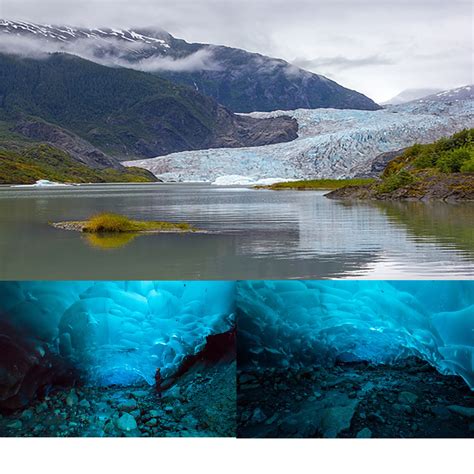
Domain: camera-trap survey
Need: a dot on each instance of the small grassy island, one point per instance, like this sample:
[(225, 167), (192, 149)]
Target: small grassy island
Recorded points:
[(108, 223), (110, 231), (317, 184), (443, 170)]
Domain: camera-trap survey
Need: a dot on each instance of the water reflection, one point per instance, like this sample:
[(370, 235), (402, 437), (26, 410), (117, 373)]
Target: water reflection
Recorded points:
[(108, 241), (256, 235)]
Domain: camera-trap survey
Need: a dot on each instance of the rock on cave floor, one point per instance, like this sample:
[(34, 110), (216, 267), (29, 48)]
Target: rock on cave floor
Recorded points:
[(407, 400), (201, 403)]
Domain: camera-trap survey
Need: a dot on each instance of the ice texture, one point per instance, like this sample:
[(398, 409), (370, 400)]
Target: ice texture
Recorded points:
[(113, 332), (331, 143), (302, 323), (237, 180)]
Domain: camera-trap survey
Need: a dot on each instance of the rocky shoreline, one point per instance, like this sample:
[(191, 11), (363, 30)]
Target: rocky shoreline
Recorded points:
[(453, 187), (409, 399)]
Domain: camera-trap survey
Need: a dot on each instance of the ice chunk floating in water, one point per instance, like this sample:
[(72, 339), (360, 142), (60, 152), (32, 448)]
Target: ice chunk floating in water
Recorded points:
[(108, 332), (301, 323)]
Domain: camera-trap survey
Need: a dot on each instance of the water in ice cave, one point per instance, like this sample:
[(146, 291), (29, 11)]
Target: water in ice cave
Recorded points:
[(107, 332), (300, 323)]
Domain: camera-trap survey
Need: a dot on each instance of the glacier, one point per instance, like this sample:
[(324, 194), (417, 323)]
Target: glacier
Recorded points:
[(331, 143), (300, 324), (104, 332)]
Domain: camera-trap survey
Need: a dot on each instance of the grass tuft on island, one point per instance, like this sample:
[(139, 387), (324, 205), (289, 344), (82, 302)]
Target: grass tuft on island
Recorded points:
[(315, 184), (108, 223)]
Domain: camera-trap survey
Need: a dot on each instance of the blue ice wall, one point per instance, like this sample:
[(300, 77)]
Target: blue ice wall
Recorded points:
[(300, 323), (116, 331)]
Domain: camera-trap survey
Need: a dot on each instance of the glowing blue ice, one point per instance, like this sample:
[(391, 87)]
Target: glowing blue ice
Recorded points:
[(300, 323), (115, 331)]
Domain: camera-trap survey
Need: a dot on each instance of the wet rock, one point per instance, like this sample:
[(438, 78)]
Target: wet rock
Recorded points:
[(399, 407), (467, 412), (189, 421), (72, 399), (440, 411), (173, 392), (364, 433), (15, 425), (272, 419), (246, 378), (127, 404), (337, 419), (152, 422), (289, 426), (377, 417), (258, 416), (84, 404), (27, 414), (139, 394), (109, 427), (41, 407), (407, 398), (126, 423)]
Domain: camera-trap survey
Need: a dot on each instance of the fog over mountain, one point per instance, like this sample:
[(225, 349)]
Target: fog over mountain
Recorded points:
[(355, 43)]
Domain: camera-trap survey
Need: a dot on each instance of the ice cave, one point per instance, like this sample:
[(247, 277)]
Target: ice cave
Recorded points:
[(104, 332), (303, 323)]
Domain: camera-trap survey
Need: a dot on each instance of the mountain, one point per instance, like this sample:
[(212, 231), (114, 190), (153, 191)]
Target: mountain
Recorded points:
[(410, 94), (331, 143), (451, 95), (28, 164), (241, 81), (121, 112)]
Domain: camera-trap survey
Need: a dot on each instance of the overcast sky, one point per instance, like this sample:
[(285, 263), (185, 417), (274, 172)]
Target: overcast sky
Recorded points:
[(377, 47)]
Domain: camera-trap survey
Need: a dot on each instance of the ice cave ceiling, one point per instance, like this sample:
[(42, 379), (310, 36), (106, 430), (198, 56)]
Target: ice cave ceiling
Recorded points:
[(300, 323), (105, 332)]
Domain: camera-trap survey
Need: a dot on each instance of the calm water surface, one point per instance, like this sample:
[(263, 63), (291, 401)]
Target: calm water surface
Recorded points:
[(255, 234)]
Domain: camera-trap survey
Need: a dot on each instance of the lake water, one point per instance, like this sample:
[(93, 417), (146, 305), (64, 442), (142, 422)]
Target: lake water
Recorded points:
[(255, 234)]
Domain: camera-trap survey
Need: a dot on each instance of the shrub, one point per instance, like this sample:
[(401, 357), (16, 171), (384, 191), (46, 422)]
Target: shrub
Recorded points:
[(425, 160), (395, 181), (468, 166), (452, 161)]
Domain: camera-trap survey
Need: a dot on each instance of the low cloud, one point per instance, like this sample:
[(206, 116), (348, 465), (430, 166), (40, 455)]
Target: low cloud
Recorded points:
[(342, 63), (110, 52), (201, 60)]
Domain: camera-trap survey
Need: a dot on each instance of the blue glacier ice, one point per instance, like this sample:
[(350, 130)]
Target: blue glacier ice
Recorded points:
[(110, 332), (303, 323), (331, 143)]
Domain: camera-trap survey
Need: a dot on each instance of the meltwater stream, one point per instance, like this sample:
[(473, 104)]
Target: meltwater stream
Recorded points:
[(253, 234)]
